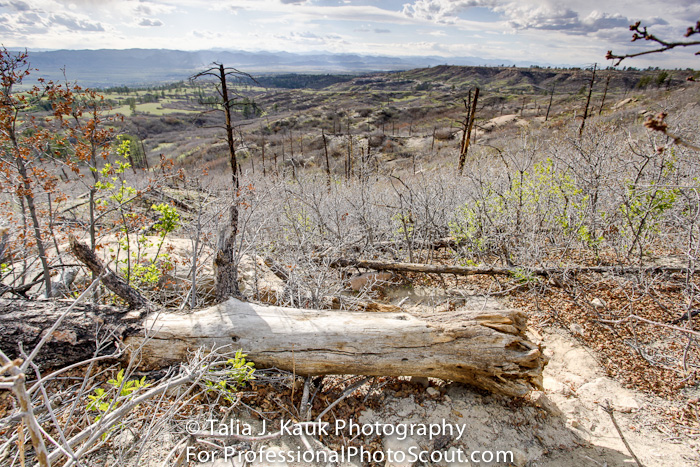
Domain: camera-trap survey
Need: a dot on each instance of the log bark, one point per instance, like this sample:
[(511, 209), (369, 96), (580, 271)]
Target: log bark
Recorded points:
[(25, 322), (486, 348)]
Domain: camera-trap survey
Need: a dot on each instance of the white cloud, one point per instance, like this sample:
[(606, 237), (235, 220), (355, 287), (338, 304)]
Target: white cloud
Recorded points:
[(75, 23), (20, 6), (521, 14), (441, 11), (560, 18), (150, 22), (309, 37)]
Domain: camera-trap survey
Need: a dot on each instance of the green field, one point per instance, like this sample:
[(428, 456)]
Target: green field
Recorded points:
[(152, 108)]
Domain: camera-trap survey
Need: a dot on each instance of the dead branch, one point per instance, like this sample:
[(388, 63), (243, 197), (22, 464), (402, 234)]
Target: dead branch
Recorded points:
[(16, 384), (112, 281), (642, 33), (648, 321), (609, 410)]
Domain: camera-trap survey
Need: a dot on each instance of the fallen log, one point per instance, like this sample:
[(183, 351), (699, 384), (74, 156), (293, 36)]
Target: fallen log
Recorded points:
[(25, 322), (485, 348), (504, 271)]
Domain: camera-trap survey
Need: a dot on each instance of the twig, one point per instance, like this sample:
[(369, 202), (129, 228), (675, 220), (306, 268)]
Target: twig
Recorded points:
[(644, 320), (369, 391), (97, 429), (43, 379), (249, 439), (47, 403), (180, 460), (345, 394), (609, 409), (641, 33), (304, 404)]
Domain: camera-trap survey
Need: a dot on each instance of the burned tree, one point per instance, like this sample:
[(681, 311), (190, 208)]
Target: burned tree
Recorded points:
[(467, 127), (588, 100), (225, 261)]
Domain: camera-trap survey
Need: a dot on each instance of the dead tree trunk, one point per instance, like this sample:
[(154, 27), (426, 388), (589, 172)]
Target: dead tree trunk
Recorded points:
[(588, 100), (24, 323), (470, 124), (224, 262), (483, 347), (262, 152), (549, 106), (465, 125), (226, 272), (605, 93), (328, 164)]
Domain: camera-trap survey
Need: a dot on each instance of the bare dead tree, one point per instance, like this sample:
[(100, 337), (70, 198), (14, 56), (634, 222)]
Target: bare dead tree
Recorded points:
[(605, 93), (469, 124), (588, 100), (225, 266), (465, 123), (262, 149), (551, 97), (325, 151)]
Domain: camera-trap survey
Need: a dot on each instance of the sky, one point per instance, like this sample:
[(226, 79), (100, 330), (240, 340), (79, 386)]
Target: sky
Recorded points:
[(565, 32)]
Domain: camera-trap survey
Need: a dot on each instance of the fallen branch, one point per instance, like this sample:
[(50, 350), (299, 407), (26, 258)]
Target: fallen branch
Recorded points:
[(20, 291), (111, 280), (483, 347), (501, 271), (155, 195), (16, 382), (610, 411), (648, 321)]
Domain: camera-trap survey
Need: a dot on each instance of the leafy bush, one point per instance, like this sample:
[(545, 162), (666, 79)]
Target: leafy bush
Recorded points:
[(237, 372), (102, 403)]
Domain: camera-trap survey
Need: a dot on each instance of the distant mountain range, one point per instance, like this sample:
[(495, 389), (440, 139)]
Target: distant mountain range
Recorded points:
[(111, 67)]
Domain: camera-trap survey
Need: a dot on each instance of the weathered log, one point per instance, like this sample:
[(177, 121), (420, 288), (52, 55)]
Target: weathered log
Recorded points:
[(486, 348), (504, 271), (417, 267), (112, 281)]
